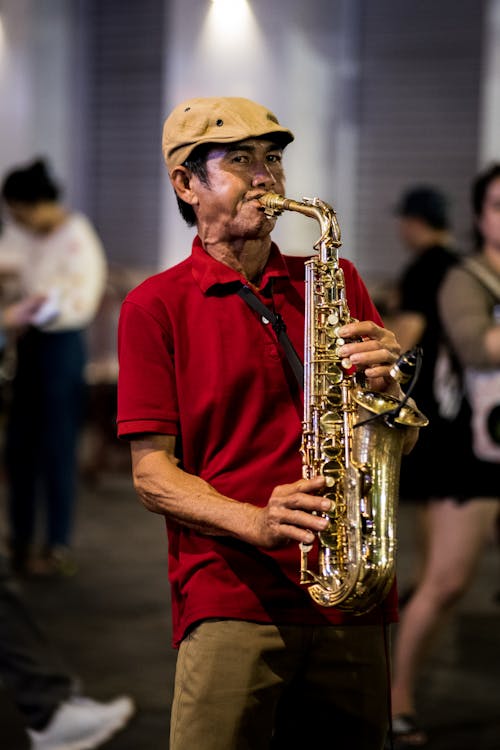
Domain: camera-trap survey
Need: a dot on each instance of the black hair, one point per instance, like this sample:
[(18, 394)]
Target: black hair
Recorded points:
[(480, 187), (30, 184), (425, 203), (197, 165)]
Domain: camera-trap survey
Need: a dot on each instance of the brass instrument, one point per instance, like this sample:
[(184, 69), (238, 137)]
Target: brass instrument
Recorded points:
[(352, 436)]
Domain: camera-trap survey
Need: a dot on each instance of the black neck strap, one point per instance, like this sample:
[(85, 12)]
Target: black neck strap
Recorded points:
[(279, 328)]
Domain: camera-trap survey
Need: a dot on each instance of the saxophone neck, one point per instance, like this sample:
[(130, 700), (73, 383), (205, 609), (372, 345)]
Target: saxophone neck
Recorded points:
[(315, 208)]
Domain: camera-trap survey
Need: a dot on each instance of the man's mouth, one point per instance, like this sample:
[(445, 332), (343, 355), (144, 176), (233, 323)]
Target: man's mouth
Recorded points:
[(257, 199)]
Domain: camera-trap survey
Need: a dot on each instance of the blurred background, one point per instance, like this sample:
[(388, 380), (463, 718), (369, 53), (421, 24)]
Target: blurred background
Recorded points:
[(379, 94)]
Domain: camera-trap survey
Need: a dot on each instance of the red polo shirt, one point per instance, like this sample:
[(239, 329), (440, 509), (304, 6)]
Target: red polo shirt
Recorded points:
[(198, 363)]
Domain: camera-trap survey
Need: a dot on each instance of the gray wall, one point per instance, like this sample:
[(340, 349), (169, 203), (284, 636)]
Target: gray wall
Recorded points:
[(125, 42), (419, 99)]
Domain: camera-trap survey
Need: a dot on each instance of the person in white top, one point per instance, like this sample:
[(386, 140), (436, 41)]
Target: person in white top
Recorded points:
[(61, 257)]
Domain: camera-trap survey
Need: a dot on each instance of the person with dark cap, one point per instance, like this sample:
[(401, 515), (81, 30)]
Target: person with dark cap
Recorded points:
[(423, 220), (441, 476), (209, 402)]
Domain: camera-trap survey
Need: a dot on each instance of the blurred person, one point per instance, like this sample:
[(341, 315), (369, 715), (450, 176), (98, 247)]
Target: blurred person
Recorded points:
[(209, 401), (460, 522), (62, 258), (48, 695), (424, 227)]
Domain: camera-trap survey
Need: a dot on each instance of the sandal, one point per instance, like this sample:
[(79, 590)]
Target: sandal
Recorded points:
[(406, 732)]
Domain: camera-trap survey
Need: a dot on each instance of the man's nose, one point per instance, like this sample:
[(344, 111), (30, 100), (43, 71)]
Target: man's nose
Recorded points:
[(263, 174)]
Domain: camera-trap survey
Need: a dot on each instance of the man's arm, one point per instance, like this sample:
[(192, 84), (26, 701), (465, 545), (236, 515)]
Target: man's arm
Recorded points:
[(190, 501)]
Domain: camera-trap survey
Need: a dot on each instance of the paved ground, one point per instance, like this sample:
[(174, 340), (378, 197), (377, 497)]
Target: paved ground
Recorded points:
[(112, 623)]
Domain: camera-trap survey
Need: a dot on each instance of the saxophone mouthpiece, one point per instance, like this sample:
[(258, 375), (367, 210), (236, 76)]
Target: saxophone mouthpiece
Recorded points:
[(272, 203)]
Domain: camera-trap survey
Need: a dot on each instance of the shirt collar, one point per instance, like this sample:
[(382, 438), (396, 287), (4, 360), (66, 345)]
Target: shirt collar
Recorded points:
[(209, 272)]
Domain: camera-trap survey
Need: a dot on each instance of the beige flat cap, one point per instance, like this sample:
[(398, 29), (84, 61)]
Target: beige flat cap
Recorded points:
[(216, 120)]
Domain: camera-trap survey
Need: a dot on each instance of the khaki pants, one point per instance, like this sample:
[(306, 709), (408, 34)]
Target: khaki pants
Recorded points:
[(245, 686)]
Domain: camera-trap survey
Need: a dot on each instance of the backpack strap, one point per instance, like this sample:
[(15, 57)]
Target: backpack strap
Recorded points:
[(482, 274), (279, 328)]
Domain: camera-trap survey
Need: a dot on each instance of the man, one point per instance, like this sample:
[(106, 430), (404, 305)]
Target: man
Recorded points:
[(210, 404)]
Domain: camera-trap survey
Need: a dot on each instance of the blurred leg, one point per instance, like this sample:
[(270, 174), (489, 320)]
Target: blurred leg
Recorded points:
[(14, 735), (33, 674), (63, 402), (456, 537), (22, 453), (21, 463)]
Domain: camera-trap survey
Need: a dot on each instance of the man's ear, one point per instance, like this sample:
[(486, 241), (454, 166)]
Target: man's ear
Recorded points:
[(181, 180)]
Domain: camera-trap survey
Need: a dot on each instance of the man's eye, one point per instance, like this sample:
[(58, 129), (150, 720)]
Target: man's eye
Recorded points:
[(275, 158), (239, 158)]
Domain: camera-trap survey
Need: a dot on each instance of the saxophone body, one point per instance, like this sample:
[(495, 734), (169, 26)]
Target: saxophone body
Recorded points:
[(346, 437)]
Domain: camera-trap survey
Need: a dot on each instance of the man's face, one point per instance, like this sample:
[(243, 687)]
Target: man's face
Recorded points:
[(227, 208)]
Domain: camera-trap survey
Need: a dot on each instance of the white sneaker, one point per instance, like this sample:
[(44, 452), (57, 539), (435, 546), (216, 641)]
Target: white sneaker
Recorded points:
[(83, 724)]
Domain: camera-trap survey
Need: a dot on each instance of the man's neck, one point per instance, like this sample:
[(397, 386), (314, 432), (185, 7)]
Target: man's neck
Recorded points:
[(246, 257)]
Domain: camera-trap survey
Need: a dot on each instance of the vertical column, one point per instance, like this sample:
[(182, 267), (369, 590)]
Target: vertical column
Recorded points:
[(489, 117)]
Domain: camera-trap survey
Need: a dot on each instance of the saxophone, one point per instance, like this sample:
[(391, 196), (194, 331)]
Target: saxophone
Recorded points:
[(352, 436)]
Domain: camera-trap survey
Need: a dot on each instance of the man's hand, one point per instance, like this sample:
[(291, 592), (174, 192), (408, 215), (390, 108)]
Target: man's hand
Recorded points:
[(374, 351), (165, 488), (288, 514)]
